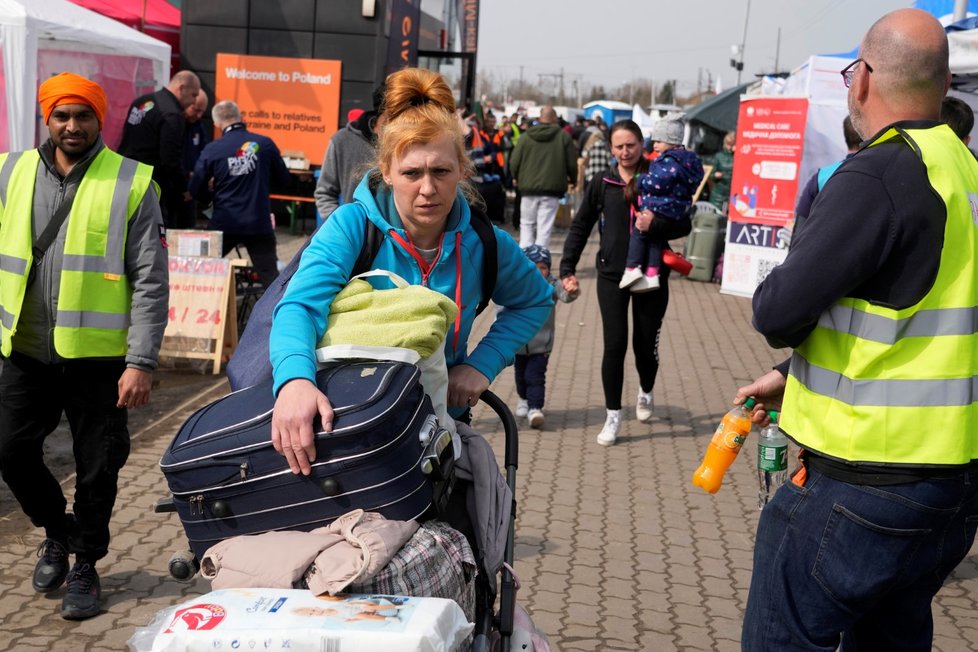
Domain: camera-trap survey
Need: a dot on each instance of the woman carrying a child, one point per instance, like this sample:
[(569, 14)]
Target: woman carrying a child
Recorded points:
[(611, 201), (417, 197)]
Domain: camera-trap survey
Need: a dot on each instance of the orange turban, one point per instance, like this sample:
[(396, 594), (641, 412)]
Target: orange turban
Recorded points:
[(69, 88)]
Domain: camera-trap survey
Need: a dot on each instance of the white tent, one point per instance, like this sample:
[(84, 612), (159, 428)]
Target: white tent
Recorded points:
[(40, 38)]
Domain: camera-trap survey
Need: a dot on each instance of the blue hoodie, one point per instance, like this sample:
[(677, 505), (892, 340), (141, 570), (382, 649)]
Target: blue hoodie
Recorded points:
[(522, 296)]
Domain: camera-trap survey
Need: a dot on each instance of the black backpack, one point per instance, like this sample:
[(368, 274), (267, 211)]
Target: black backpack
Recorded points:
[(249, 364)]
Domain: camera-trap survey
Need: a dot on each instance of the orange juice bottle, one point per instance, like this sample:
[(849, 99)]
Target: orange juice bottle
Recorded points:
[(726, 443)]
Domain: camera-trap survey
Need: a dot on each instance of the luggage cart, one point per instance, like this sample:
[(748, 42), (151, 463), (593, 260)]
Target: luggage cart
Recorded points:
[(184, 565)]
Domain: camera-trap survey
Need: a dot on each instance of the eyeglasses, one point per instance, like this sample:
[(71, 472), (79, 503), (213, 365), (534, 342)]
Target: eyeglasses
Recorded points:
[(850, 70)]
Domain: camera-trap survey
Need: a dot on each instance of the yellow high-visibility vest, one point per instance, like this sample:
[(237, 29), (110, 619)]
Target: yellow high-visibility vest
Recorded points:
[(94, 299), (876, 385)]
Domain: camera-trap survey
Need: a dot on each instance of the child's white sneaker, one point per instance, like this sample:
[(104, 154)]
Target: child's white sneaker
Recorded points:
[(612, 424), (535, 417), (522, 408), (645, 284), (643, 407), (631, 276)]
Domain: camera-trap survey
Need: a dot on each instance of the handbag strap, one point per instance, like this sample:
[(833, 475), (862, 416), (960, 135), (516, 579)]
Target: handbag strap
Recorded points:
[(397, 280), (50, 232)]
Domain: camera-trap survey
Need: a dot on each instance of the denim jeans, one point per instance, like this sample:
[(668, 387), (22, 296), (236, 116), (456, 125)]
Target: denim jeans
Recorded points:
[(859, 564)]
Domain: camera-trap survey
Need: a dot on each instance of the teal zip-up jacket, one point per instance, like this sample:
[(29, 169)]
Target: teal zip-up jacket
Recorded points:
[(522, 296)]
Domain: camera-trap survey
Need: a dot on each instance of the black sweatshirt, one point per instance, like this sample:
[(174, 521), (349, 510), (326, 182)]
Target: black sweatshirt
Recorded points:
[(606, 194)]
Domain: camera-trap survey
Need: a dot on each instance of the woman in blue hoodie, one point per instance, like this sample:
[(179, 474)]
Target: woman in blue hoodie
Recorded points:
[(417, 197)]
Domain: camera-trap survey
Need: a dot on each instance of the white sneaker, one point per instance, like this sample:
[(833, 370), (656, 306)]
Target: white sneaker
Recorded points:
[(522, 407), (612, 424), (535, 417), (643, 407), (645, 284), (631, 276)]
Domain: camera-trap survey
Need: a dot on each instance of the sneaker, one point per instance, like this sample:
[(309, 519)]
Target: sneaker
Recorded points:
[(84, 592), (535, 417), (631, 276), (612, 424), (643, 407), (645, 284), (52, 567), (522, 407)]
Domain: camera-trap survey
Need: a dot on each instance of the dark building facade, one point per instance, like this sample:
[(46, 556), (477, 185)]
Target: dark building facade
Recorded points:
[(312, 29)]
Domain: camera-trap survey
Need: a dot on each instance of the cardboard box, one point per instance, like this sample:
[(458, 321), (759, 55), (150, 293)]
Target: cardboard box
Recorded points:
[(195, 242)]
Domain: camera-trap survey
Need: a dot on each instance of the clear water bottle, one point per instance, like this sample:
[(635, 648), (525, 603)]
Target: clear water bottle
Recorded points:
[(772, 460)]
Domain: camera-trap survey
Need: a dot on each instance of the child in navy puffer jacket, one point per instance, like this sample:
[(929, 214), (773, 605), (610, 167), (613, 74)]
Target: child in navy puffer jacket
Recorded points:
[(667, 190), (530, 364)]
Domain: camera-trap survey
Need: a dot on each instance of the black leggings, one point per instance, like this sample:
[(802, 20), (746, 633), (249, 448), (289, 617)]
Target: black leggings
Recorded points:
[(648, 309)]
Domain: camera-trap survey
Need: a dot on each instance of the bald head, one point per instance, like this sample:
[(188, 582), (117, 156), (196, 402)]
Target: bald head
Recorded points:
[(185, 85), (908, 54), (196, 111), (547, 115)]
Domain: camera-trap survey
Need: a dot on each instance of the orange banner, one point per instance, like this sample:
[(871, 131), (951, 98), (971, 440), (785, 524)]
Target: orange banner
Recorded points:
[(295, 102)]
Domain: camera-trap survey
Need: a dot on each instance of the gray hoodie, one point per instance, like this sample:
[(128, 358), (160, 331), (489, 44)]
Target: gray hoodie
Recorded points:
[(349, 155)]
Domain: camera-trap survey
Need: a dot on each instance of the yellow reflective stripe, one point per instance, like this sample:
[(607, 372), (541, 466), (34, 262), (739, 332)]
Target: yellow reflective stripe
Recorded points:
[(902, 392), (878, 328), (91, 319), (5, 171), (81, 263), (12, 264)]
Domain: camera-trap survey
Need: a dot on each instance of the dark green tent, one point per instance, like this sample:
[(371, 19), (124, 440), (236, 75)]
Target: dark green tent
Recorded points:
[(720, 111)]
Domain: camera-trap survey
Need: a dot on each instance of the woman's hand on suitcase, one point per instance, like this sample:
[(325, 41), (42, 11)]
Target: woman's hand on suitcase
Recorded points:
[(465, 385), (298, 403)]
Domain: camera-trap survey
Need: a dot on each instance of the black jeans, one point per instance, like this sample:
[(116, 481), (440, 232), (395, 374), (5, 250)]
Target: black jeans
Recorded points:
[(648, 309), (33, 396), (531, 378)]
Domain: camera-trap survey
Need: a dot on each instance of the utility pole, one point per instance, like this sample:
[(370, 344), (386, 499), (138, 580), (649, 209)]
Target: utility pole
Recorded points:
[(777, 52), (554, 77), (743, 42)]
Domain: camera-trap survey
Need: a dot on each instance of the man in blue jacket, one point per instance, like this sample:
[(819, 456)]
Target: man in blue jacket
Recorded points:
[(243, 166)]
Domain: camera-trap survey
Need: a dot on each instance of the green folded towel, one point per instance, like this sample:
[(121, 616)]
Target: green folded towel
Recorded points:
[(412, 317)]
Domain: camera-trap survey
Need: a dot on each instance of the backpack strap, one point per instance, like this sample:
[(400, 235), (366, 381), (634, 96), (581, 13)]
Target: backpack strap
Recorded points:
[(372, 238), (484, 229)]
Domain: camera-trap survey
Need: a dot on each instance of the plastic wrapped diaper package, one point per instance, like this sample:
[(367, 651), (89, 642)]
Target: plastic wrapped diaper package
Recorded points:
[(297, 620)]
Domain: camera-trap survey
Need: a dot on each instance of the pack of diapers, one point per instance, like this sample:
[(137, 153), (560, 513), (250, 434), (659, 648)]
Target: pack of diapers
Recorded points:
[(297, 620)]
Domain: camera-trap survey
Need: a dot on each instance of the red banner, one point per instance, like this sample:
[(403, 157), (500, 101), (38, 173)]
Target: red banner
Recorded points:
[(770, 135)]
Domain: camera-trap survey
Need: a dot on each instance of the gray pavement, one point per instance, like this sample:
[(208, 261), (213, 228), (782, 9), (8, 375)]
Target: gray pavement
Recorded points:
[(616, 550)]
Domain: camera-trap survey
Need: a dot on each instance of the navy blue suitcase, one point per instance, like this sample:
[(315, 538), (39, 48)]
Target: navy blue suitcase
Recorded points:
[(227, 480)]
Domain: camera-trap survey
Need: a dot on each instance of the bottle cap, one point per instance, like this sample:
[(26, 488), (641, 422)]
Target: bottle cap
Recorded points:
[(774, 414), (750, 402)]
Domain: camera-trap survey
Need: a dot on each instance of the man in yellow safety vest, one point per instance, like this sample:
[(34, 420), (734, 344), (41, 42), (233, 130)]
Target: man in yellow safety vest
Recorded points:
[(878, 297), (83, 305)]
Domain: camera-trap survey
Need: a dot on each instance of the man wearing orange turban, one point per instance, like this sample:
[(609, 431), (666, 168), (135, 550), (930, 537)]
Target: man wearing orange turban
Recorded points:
[(69, 88), (79, 333)]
